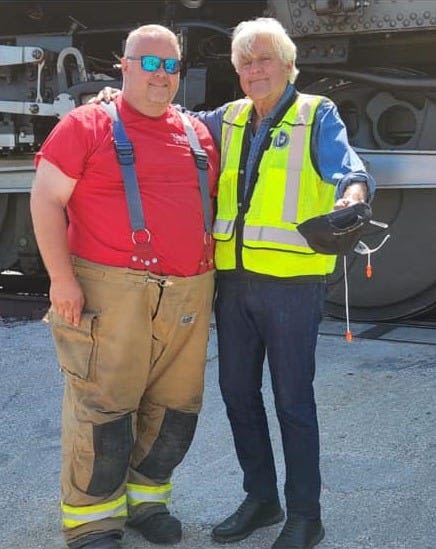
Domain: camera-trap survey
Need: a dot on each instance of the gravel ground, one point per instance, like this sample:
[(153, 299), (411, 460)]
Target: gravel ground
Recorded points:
[(376, 404)]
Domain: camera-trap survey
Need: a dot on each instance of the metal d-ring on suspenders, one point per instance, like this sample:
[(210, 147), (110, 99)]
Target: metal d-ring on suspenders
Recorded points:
[(143, 255)]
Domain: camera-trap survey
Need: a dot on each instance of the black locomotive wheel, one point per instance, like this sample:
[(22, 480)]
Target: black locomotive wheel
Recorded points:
[(403, 283)]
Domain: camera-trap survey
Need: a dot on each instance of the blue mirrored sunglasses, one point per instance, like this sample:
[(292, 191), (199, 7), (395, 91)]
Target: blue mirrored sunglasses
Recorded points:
[(152, 63)]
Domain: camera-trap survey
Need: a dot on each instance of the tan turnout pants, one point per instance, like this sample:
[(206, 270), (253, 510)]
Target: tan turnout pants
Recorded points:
[(134, 375)]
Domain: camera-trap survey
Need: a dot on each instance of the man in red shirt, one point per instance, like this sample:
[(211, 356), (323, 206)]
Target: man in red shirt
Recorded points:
[(130, 308)]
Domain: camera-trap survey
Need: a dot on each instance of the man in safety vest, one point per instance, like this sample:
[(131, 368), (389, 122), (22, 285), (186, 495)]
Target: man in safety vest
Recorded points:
[(284, 158)]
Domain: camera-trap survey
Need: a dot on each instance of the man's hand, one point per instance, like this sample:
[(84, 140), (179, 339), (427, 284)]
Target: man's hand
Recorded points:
[(107, 94), (67, 299), (356, 192)]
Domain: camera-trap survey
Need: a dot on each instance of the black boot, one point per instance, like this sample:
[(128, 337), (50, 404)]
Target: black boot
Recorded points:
[(250, 515), (104, 543), (98, 541), (300, 533), (158, 526)]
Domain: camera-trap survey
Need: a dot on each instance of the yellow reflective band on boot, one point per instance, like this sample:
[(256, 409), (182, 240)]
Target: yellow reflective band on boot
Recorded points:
[(76, 516), (138, 493)]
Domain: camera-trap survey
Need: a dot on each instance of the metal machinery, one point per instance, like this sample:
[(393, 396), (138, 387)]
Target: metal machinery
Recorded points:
[(375, 58)]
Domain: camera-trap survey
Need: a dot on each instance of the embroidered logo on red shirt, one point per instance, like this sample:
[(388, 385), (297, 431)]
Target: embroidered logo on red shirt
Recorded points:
[(180, 139)]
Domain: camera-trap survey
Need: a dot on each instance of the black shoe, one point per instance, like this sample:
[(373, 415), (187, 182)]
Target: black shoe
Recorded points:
[(107, 542), (158, 526), (250, 515), (104, 543), (299, 533)]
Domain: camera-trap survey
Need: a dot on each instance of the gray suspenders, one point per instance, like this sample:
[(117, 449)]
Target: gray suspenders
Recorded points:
[(143, 255), (201, 163)]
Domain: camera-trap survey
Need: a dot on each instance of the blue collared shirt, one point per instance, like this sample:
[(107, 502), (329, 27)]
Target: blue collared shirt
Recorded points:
[(334, 158)]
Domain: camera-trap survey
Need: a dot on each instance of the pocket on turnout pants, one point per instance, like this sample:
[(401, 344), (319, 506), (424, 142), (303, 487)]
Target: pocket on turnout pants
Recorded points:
[(75, 345)]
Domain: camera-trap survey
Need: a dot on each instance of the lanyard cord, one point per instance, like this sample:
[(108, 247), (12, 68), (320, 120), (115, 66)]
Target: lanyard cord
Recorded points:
[(348, 334), (362, 249)]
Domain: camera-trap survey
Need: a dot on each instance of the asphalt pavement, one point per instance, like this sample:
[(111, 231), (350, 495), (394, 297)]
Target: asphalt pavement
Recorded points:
[(376, 407)]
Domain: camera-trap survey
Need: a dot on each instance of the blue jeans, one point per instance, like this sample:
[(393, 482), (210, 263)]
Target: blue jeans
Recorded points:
[(257, 317)]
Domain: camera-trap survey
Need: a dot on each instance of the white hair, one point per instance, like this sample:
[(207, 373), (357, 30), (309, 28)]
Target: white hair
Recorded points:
[(247, 31)]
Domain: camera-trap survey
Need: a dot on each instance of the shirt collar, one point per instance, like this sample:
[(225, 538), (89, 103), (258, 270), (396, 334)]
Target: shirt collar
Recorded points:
[(286, 96)]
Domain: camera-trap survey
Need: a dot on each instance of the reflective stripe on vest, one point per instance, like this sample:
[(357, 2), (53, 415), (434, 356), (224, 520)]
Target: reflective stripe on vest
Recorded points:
[(234, 110), (76, 516), (295, 160), (138, 493), (274, 234), (224, 227)]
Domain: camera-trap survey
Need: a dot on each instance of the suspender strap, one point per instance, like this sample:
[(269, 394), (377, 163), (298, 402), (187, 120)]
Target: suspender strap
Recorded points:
[(201, 163), (126, 159), (143, 254)]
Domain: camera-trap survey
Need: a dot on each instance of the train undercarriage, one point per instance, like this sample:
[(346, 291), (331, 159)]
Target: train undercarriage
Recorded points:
[(375, 58)]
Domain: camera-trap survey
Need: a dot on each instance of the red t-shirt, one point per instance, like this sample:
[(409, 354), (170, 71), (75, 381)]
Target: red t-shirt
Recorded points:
[(99, 229)]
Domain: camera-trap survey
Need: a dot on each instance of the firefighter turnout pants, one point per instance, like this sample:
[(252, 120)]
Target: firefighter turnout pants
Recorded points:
[(134, 377)]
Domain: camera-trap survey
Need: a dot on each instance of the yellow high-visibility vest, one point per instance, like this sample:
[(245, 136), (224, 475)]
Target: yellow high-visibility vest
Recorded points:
[(288, 191)]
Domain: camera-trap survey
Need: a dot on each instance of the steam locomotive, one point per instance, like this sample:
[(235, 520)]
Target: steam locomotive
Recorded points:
[(375, 58)]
